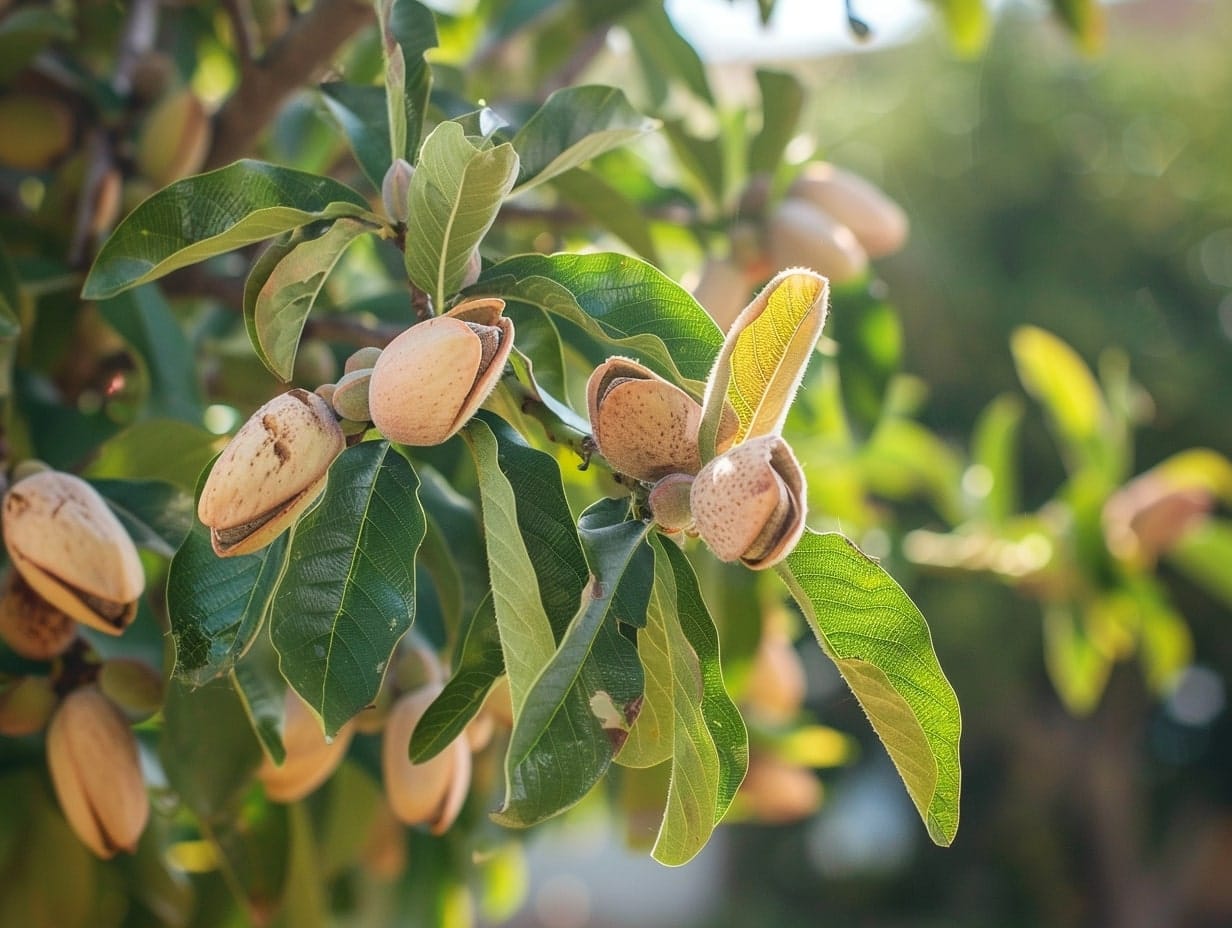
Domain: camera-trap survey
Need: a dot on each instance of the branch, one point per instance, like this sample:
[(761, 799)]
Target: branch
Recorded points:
[(299, 54)]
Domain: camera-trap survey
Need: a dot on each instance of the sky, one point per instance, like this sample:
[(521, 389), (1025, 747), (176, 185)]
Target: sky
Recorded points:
[(723, 31)]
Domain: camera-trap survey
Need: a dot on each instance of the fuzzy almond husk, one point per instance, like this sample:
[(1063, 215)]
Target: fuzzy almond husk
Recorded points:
[(72, 550), (270, 473), (434, 376), (430, 793), (644, 426), (723, 290), (97, 773), (310, 757), (800, 235), (878, 223), (748, 503)]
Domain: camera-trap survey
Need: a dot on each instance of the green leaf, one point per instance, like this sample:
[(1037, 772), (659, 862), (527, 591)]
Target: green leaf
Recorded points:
[(145, 320), (217, 605), (968, 23), (782, 99), (23, 34), (456, 192), (602, 203), (263, 692), (570, 706), (663, 51), (764, 357), (525, 631), (413, 27), (722, 718), (361, 115), (10, 297), (209, 214), (1085, 19), (625, 303), (286, 297), (479, 664), (870, 340), (456, 518), (1204, 555), (703, 158), (347, 594), (157, 449), (880, 642), (156, 515), (693, 792), (304, 900), (207, 748), (574, 125), (1076, 662), (994, 446), (1060, 381)]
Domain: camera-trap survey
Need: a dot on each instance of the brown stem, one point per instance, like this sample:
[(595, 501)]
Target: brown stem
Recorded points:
[(293, 60)]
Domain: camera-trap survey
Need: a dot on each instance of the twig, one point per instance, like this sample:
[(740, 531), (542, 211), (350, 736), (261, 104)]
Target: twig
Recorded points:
[(136, 40), (302, 51), (241, 27)]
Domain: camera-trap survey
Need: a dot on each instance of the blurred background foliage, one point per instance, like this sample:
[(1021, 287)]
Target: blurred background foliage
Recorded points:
[(1051, 188)]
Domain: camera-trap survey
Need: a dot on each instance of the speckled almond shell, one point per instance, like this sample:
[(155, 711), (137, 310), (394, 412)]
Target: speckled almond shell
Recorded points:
[(644, 426), (418, 793), (737, 492), (278, 460), (96, 772), (310, 758), (66, 542), (429, 380)]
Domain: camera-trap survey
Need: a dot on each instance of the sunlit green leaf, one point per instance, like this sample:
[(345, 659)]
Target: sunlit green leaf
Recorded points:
[(881, 644), (456, 191), (282, 304), (994, 447), (1054, 374), (347, 594), (968, 23), (208, 214), (622, 301), (782, 99), (1204, 555), (574, 125)]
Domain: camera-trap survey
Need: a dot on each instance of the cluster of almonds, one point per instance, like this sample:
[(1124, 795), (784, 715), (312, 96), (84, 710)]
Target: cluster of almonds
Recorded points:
[(747, 503), (830, 219), (431, 793), (420, 390), (74, 562)]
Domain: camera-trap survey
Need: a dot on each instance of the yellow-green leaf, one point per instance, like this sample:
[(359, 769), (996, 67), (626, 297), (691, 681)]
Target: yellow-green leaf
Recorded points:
[(764, 357), (1054, 374), (880, 642)]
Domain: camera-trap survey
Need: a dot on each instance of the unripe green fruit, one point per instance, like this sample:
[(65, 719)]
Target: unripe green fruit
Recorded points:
[(174, 139), (36, 131)]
